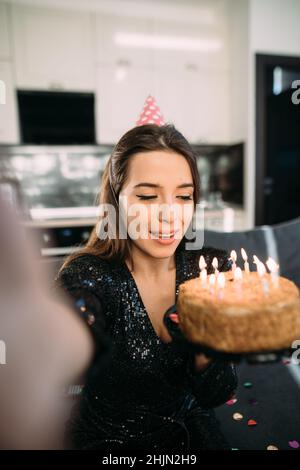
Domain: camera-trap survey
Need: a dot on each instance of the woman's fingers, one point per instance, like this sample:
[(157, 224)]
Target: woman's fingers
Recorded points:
[(201, 361)]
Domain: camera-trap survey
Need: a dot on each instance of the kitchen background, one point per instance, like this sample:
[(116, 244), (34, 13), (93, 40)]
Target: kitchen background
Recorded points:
[(74, 78)]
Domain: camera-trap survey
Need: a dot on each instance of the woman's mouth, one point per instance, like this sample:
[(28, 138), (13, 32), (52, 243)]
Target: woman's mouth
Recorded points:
[(163, 237)]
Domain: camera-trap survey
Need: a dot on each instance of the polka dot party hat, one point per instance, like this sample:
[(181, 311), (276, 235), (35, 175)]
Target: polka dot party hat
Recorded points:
[(150, 114)]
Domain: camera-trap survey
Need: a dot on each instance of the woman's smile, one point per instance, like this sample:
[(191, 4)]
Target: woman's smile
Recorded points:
[(164, 238)]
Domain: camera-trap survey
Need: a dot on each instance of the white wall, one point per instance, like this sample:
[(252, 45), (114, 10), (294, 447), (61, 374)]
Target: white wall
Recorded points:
[(238, 23), (275, 26), (9, 131)]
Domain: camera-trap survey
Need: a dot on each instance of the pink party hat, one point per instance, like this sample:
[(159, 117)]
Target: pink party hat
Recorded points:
[(150, 114)]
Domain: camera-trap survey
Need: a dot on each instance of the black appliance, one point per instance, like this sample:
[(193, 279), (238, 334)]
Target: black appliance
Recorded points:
[(48, 117)]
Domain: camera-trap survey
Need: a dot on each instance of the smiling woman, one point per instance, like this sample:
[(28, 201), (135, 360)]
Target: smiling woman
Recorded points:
[(148, 151), (151, 397), (166, 200)]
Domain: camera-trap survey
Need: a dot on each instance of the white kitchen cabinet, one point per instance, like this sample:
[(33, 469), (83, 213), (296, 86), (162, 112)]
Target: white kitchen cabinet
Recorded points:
[(121, 93), (4, 32), (53, 48), (181, 44), (120, 39), (186, 69), (197, 103), (8, 109)]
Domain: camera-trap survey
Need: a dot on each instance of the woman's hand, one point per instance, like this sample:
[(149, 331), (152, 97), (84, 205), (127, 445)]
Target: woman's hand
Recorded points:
[(201, 362)]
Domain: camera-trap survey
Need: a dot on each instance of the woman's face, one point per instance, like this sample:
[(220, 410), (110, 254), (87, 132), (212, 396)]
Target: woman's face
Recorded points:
[(157, 201)]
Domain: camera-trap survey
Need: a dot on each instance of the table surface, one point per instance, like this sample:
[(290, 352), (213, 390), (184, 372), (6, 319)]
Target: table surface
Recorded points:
[(277, 409)]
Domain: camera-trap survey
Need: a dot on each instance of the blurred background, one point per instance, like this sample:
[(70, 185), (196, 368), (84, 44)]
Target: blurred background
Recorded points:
[(74, 77)]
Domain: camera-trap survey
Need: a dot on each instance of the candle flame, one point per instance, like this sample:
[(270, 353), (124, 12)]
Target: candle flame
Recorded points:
[(215, 263), (261, 269), (221, 280), (238, 275), (233, 256), (202, 263), (272, 265), (244, 254), (212, 279), (255, 259)]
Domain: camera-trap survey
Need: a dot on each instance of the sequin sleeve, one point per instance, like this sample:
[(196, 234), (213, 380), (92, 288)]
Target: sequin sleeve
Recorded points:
[(78, 282)]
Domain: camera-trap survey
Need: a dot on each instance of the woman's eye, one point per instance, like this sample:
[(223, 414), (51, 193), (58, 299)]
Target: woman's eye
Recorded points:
[(186, 198), (145, 198)]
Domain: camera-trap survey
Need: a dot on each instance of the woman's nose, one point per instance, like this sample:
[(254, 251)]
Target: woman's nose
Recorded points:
[(167, 213)]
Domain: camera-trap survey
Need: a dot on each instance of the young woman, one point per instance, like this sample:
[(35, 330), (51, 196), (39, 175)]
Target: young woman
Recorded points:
[(151, 394)]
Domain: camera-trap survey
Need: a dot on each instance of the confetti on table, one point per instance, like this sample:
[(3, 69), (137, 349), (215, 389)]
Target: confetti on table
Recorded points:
[(174, 317), (252, 422), (237, 416), (272, 447), (231, 402), (253, 401), (247, 384), (294, 444)]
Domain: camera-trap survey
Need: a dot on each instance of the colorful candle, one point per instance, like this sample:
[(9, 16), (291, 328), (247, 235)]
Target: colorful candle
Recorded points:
[(261, 269), (221, 284), (238, 276), (203, 277), (215, 265), (212, 282), (274, 270), (233, 258), (203, 271), (245, 258)]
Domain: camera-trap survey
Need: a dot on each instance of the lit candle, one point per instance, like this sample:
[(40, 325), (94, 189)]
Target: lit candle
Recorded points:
[(245, 258), (203, 277), (203, 273), (212, 282), (274, 270), (215, 266), (256, 260), (221, 284), (261, 269), (233, 258), (238, 276)]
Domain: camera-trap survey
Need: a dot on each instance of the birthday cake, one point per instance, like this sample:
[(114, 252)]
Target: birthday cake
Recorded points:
[(242, 314)]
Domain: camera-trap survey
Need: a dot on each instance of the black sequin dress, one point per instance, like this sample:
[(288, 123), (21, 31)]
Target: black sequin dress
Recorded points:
[(140, 392)]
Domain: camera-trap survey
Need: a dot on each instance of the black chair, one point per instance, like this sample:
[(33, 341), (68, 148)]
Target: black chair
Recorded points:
[(281, 242)]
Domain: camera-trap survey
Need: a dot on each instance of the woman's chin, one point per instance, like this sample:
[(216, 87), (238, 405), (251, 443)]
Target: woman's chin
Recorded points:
[(161, 248)]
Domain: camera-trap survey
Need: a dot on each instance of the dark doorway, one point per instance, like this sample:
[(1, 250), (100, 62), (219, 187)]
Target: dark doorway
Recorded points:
[(277, 139)]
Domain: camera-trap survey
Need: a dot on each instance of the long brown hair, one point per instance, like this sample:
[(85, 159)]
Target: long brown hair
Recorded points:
[(149, 137)]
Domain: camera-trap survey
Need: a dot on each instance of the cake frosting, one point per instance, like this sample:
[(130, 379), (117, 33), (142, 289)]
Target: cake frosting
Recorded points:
[(249, 315)]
